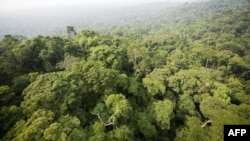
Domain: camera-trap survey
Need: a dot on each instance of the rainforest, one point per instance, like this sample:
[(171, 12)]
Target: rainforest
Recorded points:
[(170, 73)]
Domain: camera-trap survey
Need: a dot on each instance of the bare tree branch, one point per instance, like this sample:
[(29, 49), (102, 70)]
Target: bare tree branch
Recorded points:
[(205, 123), (110, 121), (98, 115)]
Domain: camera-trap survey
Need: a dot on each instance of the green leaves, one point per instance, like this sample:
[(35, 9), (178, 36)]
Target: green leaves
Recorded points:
[(145, 125), (66, 128), (193, 131), (111, 57), (115, 107), (54, 91), (97, 132), (40, 126), (9, 115), (155, 82), (221, 92), (5, 95), (234, 47), (99, 78), (186, 106), (30, 49), (220, 113), (123, 133), (117, 103), (33, 128), (193, 81), (163, 113)]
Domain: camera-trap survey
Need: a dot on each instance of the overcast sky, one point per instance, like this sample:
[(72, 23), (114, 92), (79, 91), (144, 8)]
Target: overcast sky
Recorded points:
[(15, 5)]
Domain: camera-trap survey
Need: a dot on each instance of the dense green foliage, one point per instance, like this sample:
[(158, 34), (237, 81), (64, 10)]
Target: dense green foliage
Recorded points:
[(160, 80)]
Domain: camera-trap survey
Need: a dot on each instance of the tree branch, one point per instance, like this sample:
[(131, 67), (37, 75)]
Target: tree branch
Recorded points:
[(205, 123), (110, 121), (98, 115)]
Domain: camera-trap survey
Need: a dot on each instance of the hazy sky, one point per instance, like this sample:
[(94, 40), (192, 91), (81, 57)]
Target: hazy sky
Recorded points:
[(15, 5)]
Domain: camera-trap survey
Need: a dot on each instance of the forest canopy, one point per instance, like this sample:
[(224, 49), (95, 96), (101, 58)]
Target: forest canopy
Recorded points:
[(177, 74)]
